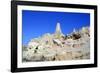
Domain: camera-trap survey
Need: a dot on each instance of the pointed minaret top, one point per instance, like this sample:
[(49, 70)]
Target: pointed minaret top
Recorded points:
[(58, 29)]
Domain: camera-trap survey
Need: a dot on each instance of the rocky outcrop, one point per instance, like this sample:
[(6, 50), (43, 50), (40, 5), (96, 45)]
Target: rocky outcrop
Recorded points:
[(56, 47)]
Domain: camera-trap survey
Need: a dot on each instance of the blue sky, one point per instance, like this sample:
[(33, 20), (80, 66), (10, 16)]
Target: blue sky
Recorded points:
[(37, 23)]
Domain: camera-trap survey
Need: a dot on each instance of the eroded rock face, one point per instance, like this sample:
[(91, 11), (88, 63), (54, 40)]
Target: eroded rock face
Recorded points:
[(51, 47)]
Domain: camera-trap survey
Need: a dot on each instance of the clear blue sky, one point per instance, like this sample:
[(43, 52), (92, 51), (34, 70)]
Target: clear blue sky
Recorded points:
[(37, 23)]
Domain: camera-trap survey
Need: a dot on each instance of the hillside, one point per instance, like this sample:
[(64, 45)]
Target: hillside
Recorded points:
[(57, 46)]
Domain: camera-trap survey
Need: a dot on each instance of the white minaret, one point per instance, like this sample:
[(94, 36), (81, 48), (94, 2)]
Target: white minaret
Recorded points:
[(58, 29)]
